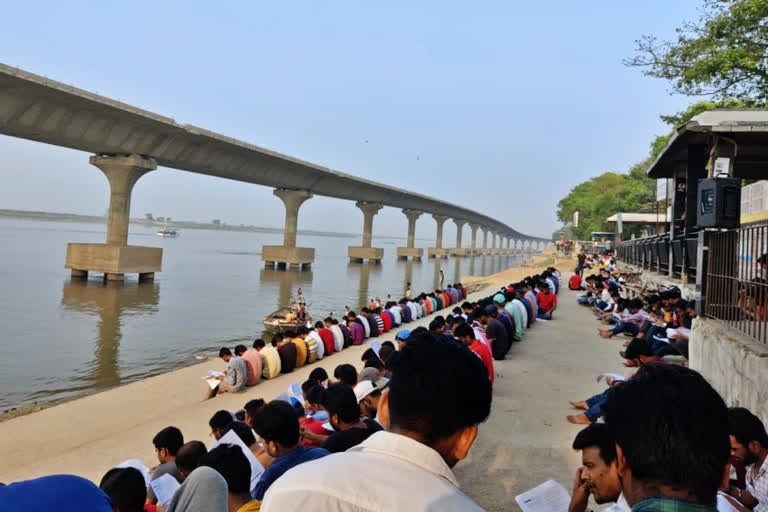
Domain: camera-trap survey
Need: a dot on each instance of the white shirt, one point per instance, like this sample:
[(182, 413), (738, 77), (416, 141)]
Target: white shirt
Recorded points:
[(758, 486), (320, 347), (338, 338), (386, 472), (366, 326), (414, 310), (621, 505), (723, 505)]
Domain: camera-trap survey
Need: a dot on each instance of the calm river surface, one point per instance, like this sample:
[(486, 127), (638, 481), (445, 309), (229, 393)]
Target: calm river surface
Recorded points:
[(61, 338)]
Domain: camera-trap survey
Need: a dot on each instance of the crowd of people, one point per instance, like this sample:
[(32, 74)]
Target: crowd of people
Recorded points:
[(667, 440), (409, 413), (386, 435)]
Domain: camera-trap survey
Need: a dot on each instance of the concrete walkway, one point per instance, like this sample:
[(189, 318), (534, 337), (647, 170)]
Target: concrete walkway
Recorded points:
[(527, 439)]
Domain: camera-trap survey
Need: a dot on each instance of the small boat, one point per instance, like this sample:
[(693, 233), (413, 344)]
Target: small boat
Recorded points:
[(289, 319), (168, 233)]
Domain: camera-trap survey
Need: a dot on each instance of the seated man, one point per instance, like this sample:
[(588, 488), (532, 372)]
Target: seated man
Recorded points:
[(671, 432), (346, 374), (235, 377), (230, 462), (270, 359), (344, 416), (219, 423), (547, 302), (598, 474), (253, 361), (432, 411), (277, 425), (167, 443), (58, 493), (749, 443), (466, 335), (188, 457), (629, 323), (126, 489), (637, 351), (287, 351)]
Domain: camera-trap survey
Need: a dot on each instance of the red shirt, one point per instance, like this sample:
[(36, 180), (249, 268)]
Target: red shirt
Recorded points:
[(327, 336), (482, 350), (314, 426), (387, 322), (546, 301)]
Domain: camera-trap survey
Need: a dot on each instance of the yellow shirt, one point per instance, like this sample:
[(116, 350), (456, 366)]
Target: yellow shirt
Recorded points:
[(251, 506), (270, 360), (301, 352)]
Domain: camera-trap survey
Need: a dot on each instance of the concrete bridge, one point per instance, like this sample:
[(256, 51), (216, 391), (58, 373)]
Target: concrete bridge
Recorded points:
[(127, 142)]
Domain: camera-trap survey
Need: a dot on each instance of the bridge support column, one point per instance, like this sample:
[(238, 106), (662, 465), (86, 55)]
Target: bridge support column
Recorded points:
[(437, 251), (365, 251), (485, 241), (288, 255), (493, 244), (116, 258), (410, 251), (473, 248), (459, 250)]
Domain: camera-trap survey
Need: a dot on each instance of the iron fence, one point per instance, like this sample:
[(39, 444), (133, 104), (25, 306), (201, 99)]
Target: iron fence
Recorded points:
[(737, 285)]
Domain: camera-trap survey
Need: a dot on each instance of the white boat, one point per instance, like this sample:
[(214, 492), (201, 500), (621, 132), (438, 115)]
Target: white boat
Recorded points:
[(168, 233)]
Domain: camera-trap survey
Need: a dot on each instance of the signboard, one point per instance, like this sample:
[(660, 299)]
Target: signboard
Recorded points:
[(575, 219), (662, 189)]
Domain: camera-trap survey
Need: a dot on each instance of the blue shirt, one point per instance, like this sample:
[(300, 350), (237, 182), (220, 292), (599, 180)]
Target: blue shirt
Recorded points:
[(62, 493), (282, 464)]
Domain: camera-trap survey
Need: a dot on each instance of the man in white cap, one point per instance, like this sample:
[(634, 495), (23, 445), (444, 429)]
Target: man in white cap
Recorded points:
[(368, 394)]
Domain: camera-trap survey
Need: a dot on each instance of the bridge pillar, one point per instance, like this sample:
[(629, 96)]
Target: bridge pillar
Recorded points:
[(493, 243), (365, 251), (459, 250), (116, 258), (485, 241), (473, 248), (404, 252), (437, 251), (288, 255)]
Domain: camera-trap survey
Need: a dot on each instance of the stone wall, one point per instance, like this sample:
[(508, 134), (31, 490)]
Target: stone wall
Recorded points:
[(736, 367)]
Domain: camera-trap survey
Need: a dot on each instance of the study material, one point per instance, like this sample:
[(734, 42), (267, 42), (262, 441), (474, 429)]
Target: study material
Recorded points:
[(547, 497), (295, 390), (256, 468), (376, 346), (137, 464), (164, 487), (214, 373), (614, 376), (327, 426), (283, 397)]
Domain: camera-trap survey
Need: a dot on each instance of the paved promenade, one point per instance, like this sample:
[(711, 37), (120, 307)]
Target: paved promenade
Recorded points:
[(527, 439)]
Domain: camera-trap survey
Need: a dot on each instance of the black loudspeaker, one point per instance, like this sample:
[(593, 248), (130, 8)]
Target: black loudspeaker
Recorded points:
[(719, 201)]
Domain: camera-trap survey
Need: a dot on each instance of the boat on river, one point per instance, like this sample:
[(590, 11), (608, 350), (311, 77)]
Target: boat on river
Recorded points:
[(288, 319), (167, 233)]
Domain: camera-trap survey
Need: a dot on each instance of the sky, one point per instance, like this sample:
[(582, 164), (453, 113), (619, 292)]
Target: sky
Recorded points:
[(500, 106)]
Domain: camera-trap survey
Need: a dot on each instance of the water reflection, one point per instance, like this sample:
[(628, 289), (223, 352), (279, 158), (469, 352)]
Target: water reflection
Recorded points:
[(111, 301), (288, 282), (363, 272)]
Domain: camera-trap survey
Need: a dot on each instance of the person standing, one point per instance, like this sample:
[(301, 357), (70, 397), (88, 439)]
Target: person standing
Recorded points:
[(408, 291), (442, 279)]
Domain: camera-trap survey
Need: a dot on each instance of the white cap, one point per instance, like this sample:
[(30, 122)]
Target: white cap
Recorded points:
[(366, 387)]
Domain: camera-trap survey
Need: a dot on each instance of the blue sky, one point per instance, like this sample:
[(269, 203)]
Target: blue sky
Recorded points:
[(499, 106)]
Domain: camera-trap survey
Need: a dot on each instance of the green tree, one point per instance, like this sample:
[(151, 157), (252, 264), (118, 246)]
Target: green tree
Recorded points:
[(722, 54)]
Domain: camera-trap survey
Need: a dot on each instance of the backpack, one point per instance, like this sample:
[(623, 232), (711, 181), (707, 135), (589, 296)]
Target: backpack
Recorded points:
[(574, 283)]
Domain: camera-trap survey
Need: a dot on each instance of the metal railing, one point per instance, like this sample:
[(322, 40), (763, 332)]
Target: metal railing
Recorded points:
[(736, 280)]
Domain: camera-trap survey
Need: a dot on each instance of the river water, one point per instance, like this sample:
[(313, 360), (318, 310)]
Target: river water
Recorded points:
[(61, 338)]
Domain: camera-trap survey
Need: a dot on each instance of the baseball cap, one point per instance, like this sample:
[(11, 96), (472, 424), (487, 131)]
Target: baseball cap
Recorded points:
[(499, 298), (402, 334), (368, 374), (366, 387)]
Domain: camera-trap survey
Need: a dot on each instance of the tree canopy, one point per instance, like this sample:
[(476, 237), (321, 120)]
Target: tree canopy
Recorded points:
[(598, 198), (722, 54)]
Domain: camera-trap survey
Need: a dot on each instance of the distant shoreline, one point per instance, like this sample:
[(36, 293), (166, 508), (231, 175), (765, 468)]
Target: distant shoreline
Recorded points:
[(183, 224)]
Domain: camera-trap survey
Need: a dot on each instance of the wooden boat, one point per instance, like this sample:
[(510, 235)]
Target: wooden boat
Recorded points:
[(289, 319)]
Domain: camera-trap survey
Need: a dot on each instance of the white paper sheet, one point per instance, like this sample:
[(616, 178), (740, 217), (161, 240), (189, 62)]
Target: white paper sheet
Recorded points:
[(137, 464), (213, 382), (256, 468), (375, 346), (295, 390), (614, 376), (214, 373), (164, 487), (547, 497)]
